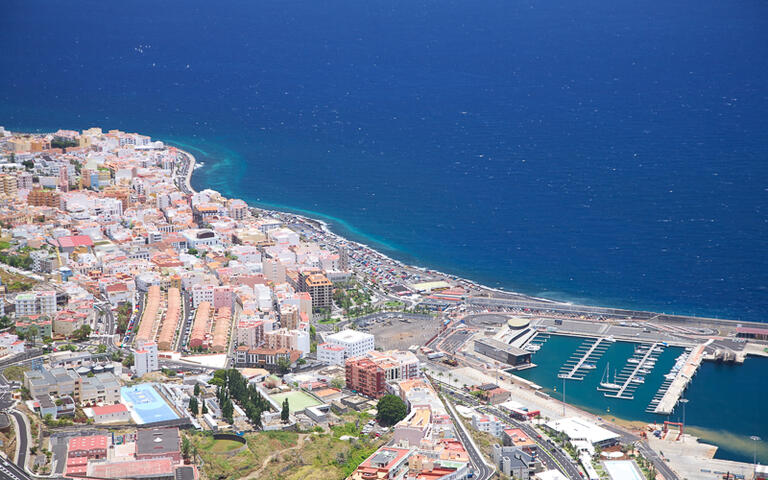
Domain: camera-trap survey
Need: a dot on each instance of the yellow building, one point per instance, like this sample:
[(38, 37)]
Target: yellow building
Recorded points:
[(8, 185), (19, 144)]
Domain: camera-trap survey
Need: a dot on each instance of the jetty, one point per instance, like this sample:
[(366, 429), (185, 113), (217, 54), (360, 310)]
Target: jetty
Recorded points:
[(584, 359), (629, 374), (684, 376)]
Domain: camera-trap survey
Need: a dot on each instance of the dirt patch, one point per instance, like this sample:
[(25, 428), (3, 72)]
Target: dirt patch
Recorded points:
[(394, 334)]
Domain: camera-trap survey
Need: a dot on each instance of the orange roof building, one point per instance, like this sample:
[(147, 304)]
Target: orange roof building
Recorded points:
[(200, 329), (170, 321), (223, 321), (149, 315)]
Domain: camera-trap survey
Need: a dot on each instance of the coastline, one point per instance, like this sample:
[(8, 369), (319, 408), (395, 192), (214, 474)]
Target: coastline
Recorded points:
[(622, 423), (485, 291), (326, 228)]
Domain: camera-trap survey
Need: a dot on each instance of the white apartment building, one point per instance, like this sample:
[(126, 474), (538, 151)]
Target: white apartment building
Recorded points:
[(35, 303), (487, 423), (145, 358), (331, 354), (250, 333), (354, 343), (217, 295), (397, 364), (290, 339), (246, 253), (200, 237)]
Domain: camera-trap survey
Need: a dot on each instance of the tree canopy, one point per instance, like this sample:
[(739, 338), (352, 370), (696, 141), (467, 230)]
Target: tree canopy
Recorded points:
[(390, 410), (285, 413)]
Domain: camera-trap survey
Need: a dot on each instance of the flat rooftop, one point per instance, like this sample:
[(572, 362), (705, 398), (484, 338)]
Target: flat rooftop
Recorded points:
[(349, 336)]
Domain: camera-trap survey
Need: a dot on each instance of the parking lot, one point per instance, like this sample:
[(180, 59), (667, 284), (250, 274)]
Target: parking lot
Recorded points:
[(455, 340), (400, 331)]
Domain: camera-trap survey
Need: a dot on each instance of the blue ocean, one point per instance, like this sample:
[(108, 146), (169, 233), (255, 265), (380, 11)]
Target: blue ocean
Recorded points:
[(612, 153)]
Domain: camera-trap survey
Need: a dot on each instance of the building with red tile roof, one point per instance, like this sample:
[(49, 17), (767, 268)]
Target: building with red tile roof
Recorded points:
[(149, 468), (93, 446), (69, 243), (117, 413), (170, 321)]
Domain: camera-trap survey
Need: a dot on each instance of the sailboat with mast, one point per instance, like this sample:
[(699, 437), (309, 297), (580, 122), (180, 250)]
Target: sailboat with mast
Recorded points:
[(606, 382)]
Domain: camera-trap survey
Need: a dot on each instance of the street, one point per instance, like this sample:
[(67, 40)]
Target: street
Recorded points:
[(481, 469)]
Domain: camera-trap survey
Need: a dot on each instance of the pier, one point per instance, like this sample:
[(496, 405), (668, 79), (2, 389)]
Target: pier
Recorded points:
[(585, 360), (629, 382), (670, 398)]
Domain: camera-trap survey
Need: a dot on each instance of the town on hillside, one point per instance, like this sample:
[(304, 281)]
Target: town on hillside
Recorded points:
[(152, 331)]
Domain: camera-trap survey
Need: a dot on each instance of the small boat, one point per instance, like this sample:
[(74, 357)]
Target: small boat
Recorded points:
[(659, 349), (589, 366), (633, 360), (670, 376), (533, 348), (605, 381), (638, 379), (610, 339)]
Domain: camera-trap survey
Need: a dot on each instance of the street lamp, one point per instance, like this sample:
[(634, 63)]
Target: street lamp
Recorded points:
[(563, 396), (755, 439), (683, 401)]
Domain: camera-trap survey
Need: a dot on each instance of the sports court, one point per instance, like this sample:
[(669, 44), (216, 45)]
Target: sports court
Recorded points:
[(297, 400), (622, 470), (146, 404)]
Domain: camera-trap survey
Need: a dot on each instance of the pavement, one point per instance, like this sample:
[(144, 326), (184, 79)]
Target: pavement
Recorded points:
[(482, 470), (22, 435), (455, 340), (553, 456), (658, 462), (9, 471)]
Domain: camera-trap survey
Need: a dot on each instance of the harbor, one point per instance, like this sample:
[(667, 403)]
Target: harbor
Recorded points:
[(682, 378), (642, 362), (585, 358), (656, 398)]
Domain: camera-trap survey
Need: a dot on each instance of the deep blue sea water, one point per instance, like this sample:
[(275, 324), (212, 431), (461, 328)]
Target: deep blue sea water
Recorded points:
[(606, 152)]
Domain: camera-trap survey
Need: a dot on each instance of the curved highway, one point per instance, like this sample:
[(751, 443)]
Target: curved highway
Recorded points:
[(481, 469)]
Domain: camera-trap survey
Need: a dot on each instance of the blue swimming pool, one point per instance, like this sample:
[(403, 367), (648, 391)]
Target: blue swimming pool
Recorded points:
[(146, 405)]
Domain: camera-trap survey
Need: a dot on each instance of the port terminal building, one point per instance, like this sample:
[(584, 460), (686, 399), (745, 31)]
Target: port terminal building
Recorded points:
[(502, 352)]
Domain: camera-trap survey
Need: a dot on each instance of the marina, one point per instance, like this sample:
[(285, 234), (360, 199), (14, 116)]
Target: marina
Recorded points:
[(584, 360), (643, 361), (718, 387), (677, 386)]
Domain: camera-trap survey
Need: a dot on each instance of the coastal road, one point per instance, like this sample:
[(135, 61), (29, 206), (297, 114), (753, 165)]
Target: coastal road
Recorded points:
[(658, 462), (661, 466), (22, 433), (563, 461), (481, 469), (10, 471), (553, 456)]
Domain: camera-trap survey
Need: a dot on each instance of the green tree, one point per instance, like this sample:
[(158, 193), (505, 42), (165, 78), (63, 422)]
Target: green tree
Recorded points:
[(32, 333), (128, 360), (185, 446), (338, 382), (390, 410), (285, 413), (193, 407), (283, 365), (82, 333), (227, 411), (197, 389), (101, 348), (205, 408)]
